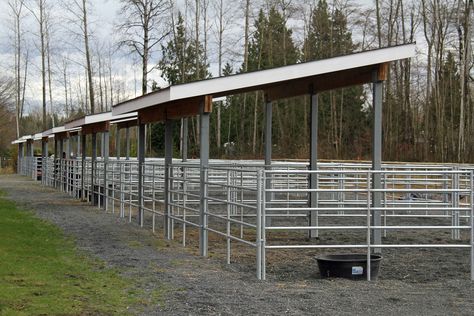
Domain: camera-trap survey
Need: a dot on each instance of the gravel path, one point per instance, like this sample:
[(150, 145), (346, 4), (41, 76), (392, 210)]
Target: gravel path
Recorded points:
[(195, 285)]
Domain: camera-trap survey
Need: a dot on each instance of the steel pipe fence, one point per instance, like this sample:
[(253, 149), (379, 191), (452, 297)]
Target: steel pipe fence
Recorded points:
[(244, 203), (30, 166), (230, 208), (461, 200)]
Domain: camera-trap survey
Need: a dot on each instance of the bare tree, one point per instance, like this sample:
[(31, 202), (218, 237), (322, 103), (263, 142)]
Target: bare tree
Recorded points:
[(49, 70), (16, 7), (7, 116), (88, 55), (40, 13), (464, 40), (224, 19), (63, 68), (80, 10), (246, 60), (142, 29)]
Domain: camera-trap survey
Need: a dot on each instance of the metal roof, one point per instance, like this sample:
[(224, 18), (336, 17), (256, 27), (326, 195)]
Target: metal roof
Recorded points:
[(98, 118), (57, 130), (22, 139), (258, 80)]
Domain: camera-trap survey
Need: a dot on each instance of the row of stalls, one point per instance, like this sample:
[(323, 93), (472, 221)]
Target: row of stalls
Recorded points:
[(235, 200)]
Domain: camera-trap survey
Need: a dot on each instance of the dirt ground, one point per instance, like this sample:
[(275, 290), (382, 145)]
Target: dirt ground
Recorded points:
[(411, 282)]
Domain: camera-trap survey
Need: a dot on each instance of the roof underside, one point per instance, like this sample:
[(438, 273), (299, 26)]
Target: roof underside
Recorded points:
[(98, 118), (277, 83), (189, 99)]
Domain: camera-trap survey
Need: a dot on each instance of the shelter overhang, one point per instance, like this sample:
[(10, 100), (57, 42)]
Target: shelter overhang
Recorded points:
[(288, 81), (22, 139), (59, 132), (99, 122), (126, 122), (19, 141)]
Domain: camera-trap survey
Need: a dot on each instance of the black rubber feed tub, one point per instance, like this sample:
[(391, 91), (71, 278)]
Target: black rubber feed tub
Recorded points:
[(350, 266)]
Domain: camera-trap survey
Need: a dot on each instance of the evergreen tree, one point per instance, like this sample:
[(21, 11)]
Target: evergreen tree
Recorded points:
[(271, 45), (445, 112), (178, 64), (344, 125)]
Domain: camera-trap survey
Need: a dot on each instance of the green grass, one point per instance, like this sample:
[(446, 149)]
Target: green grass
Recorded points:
[(41, 272)]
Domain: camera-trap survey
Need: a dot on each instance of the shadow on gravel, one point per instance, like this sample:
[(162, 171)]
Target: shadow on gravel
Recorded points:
[(195, 285)]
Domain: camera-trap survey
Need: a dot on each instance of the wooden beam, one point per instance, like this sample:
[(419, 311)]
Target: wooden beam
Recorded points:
[(207, 104), (126, 124), (320, 83), (59, 136), (95, 128), (175, 110), (382, 72)]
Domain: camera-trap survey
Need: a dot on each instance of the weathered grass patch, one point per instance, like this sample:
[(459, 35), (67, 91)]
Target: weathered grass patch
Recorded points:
[(41, 273)]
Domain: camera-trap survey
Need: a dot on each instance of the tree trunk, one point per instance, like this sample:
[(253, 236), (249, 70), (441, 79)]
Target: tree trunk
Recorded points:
[(43, 63), (48, 52), (88, 57)]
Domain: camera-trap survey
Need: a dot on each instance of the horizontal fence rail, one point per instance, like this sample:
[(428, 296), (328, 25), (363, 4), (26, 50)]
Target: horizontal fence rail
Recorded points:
[(246, 202)]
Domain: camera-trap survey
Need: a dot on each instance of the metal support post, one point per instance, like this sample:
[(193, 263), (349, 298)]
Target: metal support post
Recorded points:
[(127, 143), (28, 155), (61, 148), (78, 141), (268, 152), (93, 166), (55, 166), (204, 163), (68, 147), (105, 157), (313, 165), (83, 167), (102, 145), (168, 173), (44, 155), (377, 161), (68, 166), (45, 163), (184, 145), (141, 160), (117, 143), (61, 164), (20, 158)]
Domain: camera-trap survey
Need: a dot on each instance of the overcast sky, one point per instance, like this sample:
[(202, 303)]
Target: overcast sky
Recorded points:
[(103, 17)]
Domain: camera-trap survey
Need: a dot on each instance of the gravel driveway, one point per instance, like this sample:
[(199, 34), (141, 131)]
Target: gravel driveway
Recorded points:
[(195, 285)]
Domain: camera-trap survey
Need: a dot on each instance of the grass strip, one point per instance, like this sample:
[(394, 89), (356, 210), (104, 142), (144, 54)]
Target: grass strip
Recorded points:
[(42, 273)]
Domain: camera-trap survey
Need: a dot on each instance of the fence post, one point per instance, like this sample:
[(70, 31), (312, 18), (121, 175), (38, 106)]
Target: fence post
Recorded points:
[(263, 216), (455, 204), (368, 226), (472, 224), (228, 206), (259, 224)]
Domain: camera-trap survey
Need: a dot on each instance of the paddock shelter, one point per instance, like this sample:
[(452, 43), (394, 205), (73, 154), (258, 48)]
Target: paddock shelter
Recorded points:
[(251, 205)]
